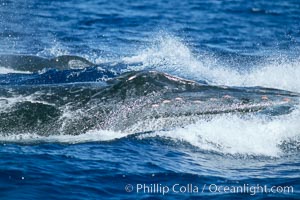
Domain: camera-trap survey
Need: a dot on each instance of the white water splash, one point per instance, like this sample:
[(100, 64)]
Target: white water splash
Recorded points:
[(230, 134), (169, 54), (56, 50)]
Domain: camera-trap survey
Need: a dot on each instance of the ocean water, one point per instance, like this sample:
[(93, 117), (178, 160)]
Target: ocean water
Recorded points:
[(149, 99)]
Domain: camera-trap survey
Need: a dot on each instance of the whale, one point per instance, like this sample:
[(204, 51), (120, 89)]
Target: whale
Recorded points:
[(135, 101), (32, 63)]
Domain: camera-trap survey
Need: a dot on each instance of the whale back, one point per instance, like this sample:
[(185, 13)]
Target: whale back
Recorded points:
[(31, 63)]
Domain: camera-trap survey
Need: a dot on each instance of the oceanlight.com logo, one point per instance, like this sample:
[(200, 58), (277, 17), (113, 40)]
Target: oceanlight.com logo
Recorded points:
[(176, 188)]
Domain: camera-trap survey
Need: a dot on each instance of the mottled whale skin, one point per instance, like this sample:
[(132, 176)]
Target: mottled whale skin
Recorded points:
[(133, 102)]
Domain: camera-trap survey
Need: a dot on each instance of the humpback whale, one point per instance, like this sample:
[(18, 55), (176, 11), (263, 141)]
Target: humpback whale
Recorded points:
[(134, 101), (35, 63)]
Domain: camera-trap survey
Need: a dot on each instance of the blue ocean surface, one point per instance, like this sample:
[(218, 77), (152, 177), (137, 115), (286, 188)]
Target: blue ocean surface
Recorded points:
[(181, 99)]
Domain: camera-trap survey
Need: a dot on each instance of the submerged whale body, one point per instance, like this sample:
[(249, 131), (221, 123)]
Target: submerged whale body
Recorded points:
[(134, 102)]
